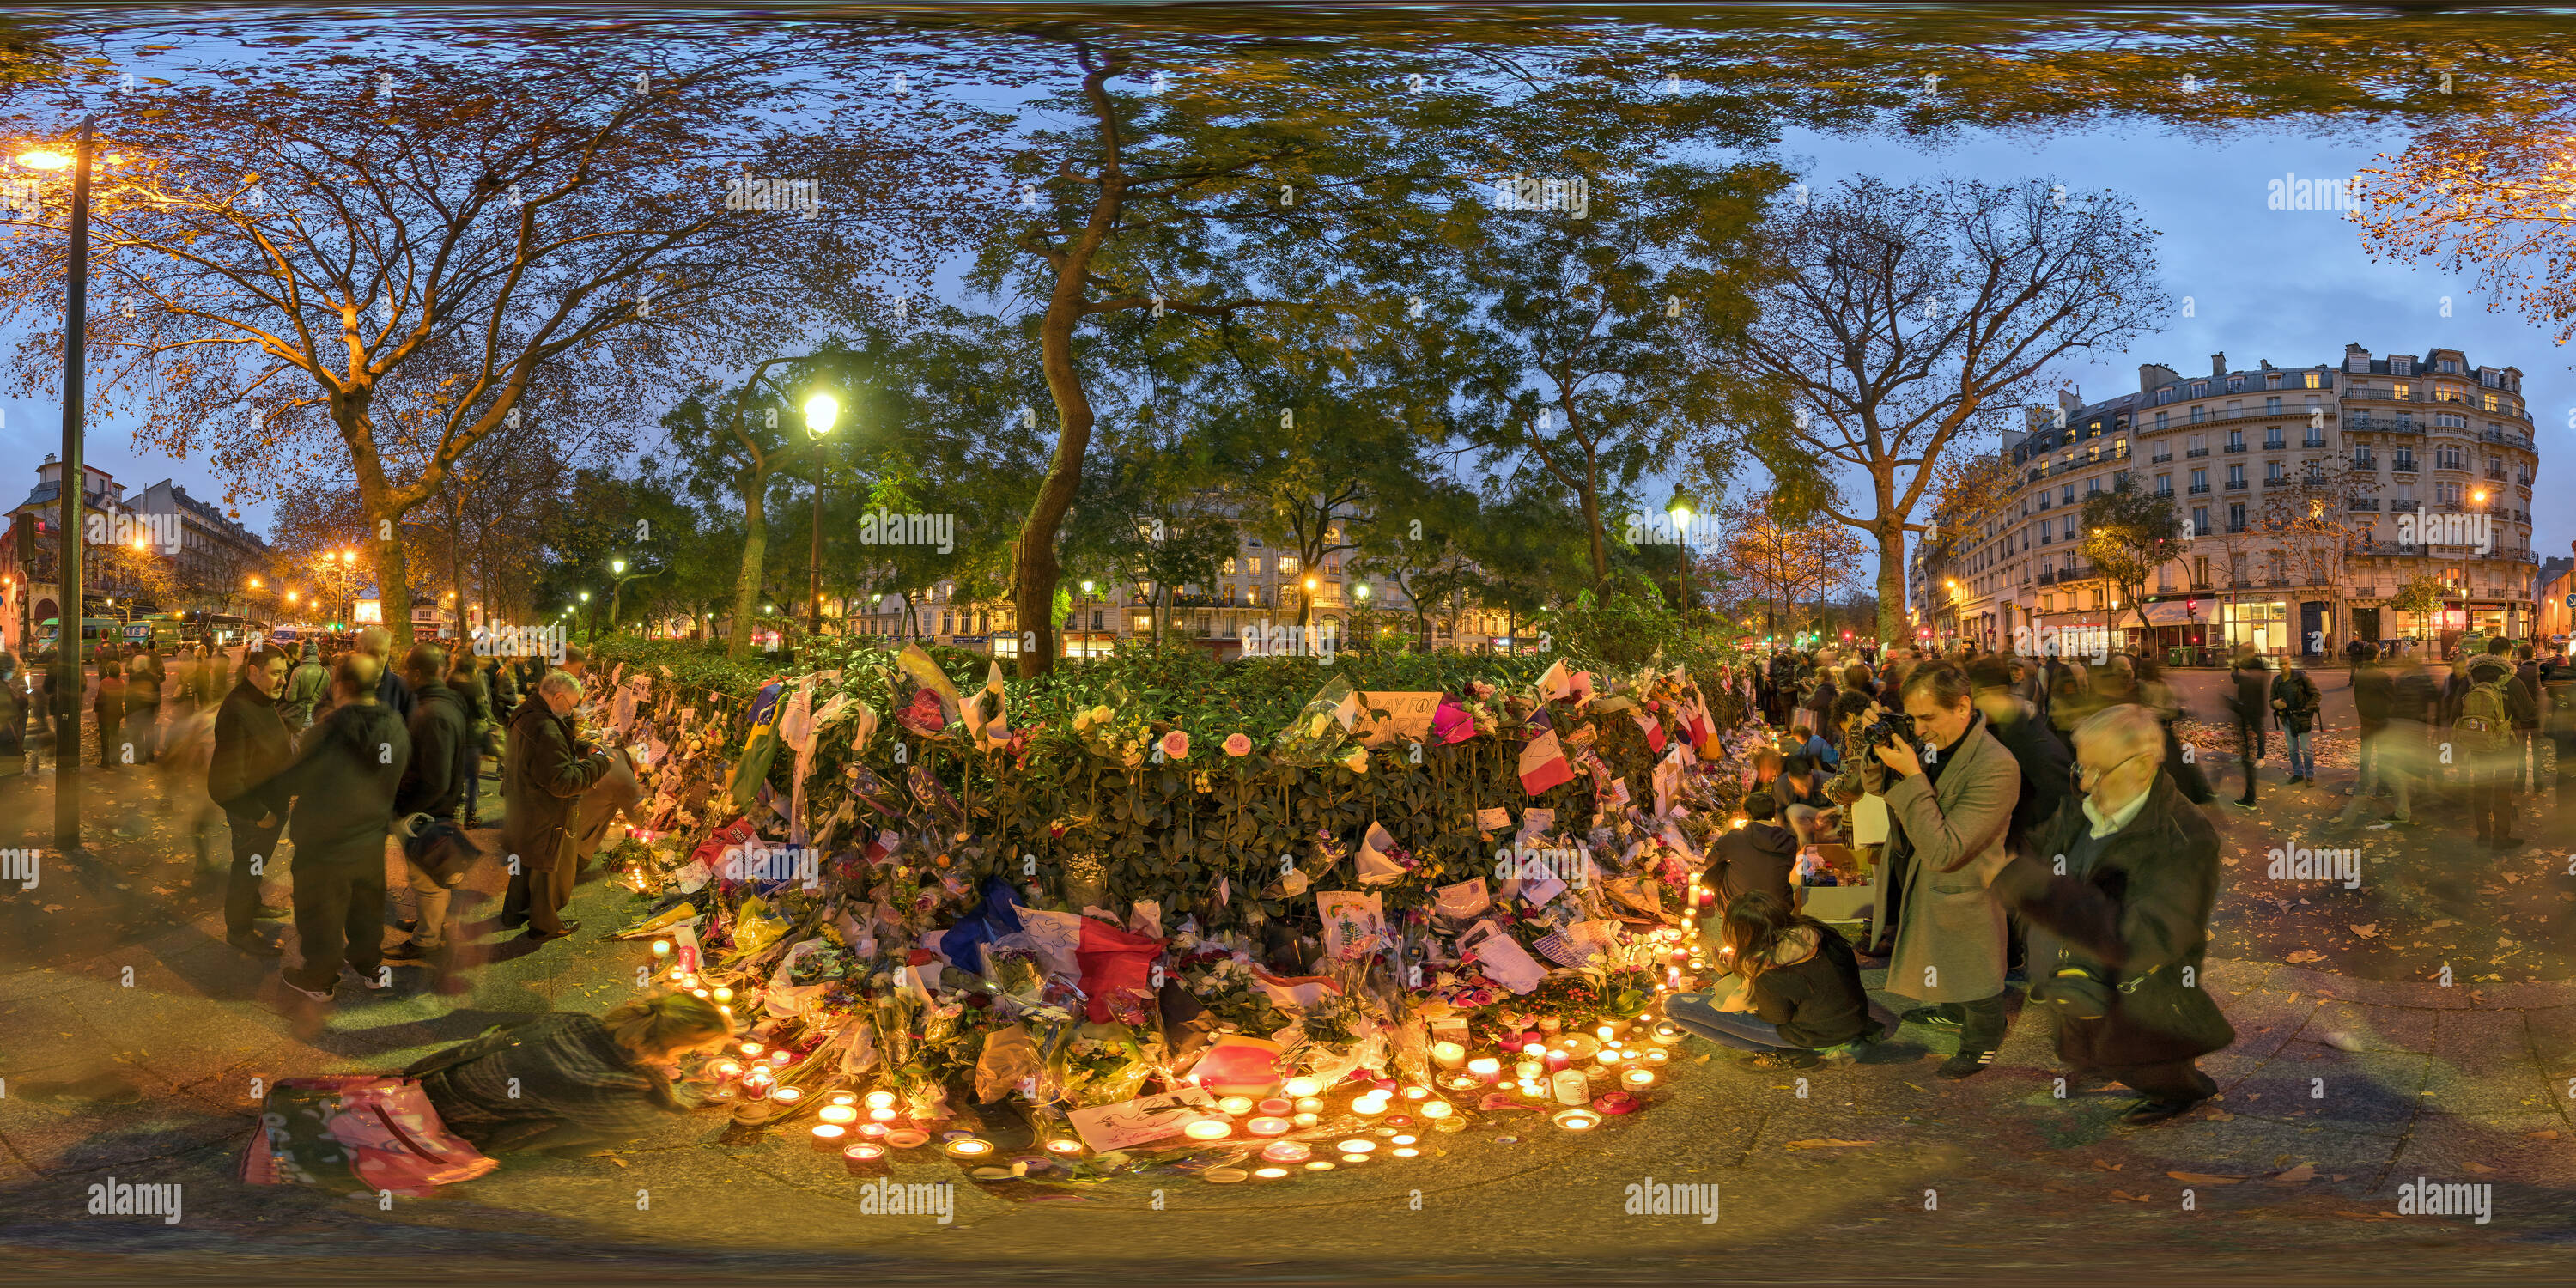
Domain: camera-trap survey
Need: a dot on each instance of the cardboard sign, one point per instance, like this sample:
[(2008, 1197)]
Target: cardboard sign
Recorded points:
[(1407, 718), (1349, 919), (1142, 1121)]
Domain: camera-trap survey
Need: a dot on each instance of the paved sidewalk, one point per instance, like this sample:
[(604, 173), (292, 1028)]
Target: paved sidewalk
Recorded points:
[(2337, 1092)]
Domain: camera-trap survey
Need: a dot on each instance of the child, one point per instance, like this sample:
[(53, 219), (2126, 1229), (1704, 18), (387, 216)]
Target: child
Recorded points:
[(1800, 992)]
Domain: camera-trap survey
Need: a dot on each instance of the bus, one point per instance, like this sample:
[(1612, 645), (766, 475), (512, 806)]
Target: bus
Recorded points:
[(93, 630), (164, 631)]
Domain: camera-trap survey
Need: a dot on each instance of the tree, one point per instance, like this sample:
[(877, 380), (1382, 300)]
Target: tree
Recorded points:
[(2421, 596), (372, 266), (1601, 321), (1776, 555), (2130, 532), (2307, 526), (2489, 197), (1901, 318)]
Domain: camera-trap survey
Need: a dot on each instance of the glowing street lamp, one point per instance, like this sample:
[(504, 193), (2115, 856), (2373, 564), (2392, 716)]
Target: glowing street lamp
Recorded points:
[(1680, 511), (821, 411)]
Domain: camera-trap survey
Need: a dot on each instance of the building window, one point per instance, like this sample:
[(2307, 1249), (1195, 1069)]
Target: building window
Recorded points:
[(2316, 380), (1288, 566), (2401, 391), (2490, 402), (1229, 571), (2200, 520), (2272, 406), (2160, 420), (2199, 414)]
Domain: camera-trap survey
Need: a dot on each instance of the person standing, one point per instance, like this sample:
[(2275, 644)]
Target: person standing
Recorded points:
[(109, 706), (1952, 799), (343, 779), (433, 784), (2374, 704), (465, 678), (305, 688), (543, 777), (378, 643), (2296, 703), (2251, 700), (2119, 939), (2482, 738), (252, 746)]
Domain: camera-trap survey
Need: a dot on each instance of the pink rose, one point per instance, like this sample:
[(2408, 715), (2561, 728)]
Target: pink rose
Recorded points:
[(1238, 745), (1176, 745)]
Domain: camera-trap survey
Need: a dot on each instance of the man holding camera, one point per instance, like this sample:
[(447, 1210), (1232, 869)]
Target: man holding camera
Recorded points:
[(1950, 791), (2119, 914)]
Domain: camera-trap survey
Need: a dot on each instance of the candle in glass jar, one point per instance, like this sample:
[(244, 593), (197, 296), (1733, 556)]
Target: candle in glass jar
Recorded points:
[(1266, 1126), (1572, 1088), (1438, 1109), (1448, 1055), (827, 1136), (837, 1114), (787, 1095), (1485, 1067), (1638, 1079), (1276, 1108), (880, 1099), (1209, 1129), (1235, 1105), (1301, 1088)]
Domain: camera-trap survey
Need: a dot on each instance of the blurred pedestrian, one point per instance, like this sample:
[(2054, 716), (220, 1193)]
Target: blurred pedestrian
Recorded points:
[(432, 788), (306, 687), (2297, 705), (465, 677), (109, 707), (343, 779), (2250, 703), (252, 747)]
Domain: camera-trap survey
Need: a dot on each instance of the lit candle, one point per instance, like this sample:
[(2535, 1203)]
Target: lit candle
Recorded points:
[(661, 947), (872, 1129), (827, 1136), (1572, 1088), (1064, 1145), (1605, 1032), (843, 1098), (1369, 1106), (1448, 1055), (1656, 1057), (726, 995), (1486, 1068), (787, 1095), (1277, 1108), (883, 1115), (1287, 1151), (1556, 1059), (1578, 1120), (1438, 1109), (908, 1138), (1208, 1129), (1528, 1069), (1416, 1093), (1533, 1049), (748, 1048), (1310, 1105), (968, 1147), (1609, 1057), (1399, 1139), (727, 1069), (782, 1059), (837, 1114), (1236, 1105), (1406, 1152), (1638, 1079), (1301, 1088), (880, 1099), (1267, 1126), (1356, 1145), (1308, 1120), (863, 1151), (1270, 1173)]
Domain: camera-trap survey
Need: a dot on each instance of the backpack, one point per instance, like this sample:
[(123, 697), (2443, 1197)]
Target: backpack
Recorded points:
[(2485, 722)]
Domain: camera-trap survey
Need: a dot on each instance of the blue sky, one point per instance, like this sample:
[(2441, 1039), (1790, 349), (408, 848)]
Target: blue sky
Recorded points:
[(2293, 287)]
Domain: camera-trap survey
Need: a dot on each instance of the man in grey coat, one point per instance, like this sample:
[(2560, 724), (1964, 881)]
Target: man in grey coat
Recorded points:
[(1952, 798)]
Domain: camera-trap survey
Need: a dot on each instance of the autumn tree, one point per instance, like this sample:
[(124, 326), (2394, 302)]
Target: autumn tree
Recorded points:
[(1782, 559), (2130, 532), (371, 267), (1901, 318)]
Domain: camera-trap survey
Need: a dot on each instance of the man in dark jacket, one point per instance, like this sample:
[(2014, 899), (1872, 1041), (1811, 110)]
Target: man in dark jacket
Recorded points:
[(2117, 941), (433, 784), (543, 777), (251, 747), (1757, 856), (346, 770), (378, 643), (2252, 705), (2374, 704), (2043, 758)]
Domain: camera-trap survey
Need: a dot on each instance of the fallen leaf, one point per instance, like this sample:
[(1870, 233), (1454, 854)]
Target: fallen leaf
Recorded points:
[(2100, 1166), (2125, 1196), (2481, 1167), (2296, 1175), (2545, 1134), (2204, 1178), (2366, 931)]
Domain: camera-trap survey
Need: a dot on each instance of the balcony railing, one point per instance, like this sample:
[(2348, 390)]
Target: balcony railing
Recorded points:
[(2506, 437), (2274, 445), (2363, 504), (2233, 448), (2200, 489), (2196, 452), (2403, 465), (2497, 475), (2160, 458), (2235, 485), (2382, 425), (2401, 506)]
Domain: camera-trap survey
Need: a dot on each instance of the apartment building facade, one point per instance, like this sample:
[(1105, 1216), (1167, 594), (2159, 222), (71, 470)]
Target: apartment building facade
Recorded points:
[(2311, 498)]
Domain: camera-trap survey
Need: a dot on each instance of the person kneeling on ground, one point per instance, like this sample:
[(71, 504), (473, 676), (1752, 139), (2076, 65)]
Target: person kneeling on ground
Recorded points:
[(1801, 989), (2119, 914), (568, 1081)]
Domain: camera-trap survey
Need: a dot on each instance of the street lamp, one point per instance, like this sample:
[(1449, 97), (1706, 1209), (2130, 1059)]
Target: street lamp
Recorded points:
[(67, 636), (1681, 514), (821, 411)]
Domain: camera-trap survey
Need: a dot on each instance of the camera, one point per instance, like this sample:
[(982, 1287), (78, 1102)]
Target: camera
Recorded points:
[(1890, 727)]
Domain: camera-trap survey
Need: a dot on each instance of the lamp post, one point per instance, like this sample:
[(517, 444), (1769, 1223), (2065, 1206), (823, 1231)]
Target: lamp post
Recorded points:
[(594, 619), (820, 411), (1681, 512), (67, 636), (617, 568)]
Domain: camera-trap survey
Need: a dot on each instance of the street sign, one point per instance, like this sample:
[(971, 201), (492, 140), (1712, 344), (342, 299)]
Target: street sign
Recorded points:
[(2571, 601)]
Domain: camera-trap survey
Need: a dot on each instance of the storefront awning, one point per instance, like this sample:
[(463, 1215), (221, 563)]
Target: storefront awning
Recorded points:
[(2173, 612)]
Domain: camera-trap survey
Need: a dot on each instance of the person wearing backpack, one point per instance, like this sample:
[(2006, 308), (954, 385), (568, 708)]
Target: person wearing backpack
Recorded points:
[(2482, 736), (2296, 703)]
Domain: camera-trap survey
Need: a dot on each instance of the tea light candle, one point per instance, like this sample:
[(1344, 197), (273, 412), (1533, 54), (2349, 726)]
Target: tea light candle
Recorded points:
[(1556, 1060), (882, 1115), (1572, 1088), (1605, 1032), (1406, 1152), (1287, 1151), (1416, 1093), (1486, 1068), (1301, 1088), (1438, 1109), (1308, 1120), (1370, 1105), (1448, 1055), (1276, 1108), (1064, 1145), (968, 1147), (827, 1136), (787, 1095), (1310, 1105), (1637, 1079), (755, 1088), (726, 995), (782, 1059), (862, 1152), (748, 1048), (1656, 1057), (661, 947), (1209, 1129), (1533, 1049), (1608, 1058), (1529, 1069), (1399, 1139), (1267, 1126), (843, 1098), (872, 1129), (1667, 1032), (837, 1114), (880, 1099), (727, 1069), (1578, 1120), (1236, 1105), (1270, 1173), (1356, 1145)]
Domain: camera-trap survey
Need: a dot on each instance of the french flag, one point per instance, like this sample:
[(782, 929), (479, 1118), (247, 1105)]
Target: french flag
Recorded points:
[(1542, 761)]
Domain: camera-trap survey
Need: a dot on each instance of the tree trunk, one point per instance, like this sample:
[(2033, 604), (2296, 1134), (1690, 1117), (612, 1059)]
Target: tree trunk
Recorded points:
[(755, 546), (1891, 581)]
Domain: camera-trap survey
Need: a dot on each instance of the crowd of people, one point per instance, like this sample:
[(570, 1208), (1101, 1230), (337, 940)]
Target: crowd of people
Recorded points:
[(360, 766), (2039, 820)]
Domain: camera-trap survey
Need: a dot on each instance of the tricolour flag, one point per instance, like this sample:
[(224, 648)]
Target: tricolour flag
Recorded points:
[(1543, 764)]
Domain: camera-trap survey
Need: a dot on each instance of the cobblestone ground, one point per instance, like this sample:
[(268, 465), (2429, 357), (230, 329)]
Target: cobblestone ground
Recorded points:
[(130, 1041)]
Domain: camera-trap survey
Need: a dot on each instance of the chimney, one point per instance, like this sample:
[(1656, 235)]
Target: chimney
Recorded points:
[(2071, 398), (2218, 364), (2356, 359), (2153, 376)]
